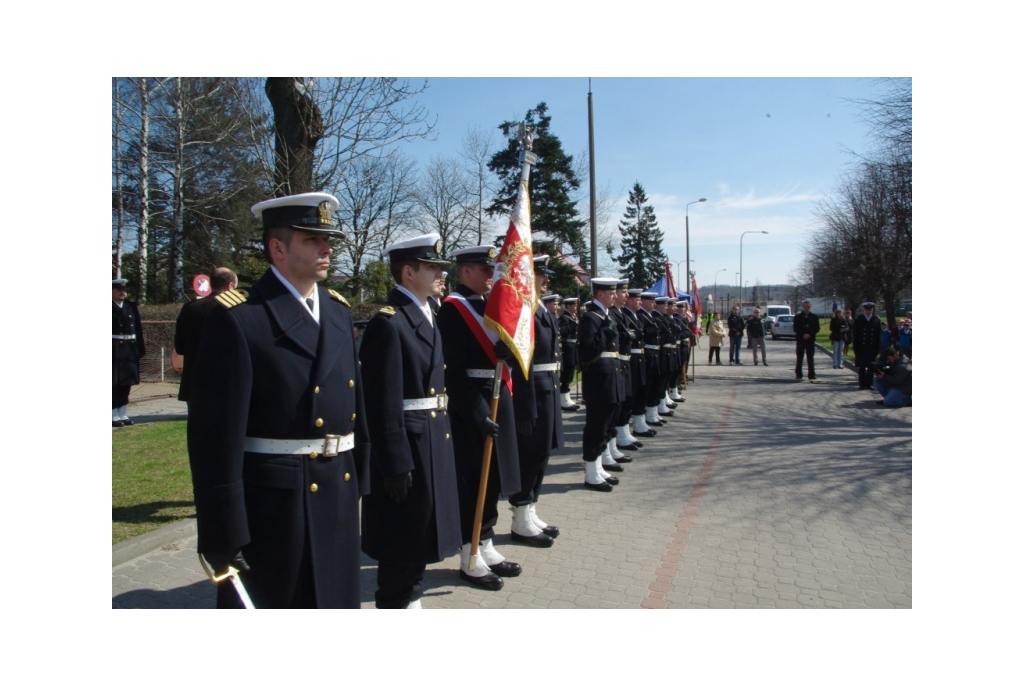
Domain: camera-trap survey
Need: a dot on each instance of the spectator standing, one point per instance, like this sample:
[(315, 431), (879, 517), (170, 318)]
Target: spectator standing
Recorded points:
[(905, 338), (838, 331), (189, 326), (867, 340), (848, 316), (755, 335), (805, 328), (736, 327), (716, 334), (129, 347)]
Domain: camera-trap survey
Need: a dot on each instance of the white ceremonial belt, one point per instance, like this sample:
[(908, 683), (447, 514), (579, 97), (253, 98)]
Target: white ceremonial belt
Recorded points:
[(652, 347), (328, 446), (553, 366), (480, 373), (572, 340), (124, 337), (673, 345), (610, 355), (440, 402), (636, 350), (624, 357)]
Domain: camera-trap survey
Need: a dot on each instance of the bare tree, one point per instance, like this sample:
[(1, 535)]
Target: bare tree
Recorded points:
[(477, 150), (119, 108), (323, 124), (377, 203), (444, 203)]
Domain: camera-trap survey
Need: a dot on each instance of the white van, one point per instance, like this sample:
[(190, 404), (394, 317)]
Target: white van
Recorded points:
[(771, 311)]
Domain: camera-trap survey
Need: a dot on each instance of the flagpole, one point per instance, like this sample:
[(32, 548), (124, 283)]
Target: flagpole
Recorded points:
[(527, 158)]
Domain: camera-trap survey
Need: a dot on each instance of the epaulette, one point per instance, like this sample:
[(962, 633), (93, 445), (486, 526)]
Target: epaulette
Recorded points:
[(335, 295), (230, 298), (387, 310)]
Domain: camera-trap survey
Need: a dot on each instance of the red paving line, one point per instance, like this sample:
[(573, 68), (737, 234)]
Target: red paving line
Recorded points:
[(674, 549)]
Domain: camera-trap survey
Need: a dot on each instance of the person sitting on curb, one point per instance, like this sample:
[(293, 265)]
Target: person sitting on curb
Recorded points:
[(893, 381)]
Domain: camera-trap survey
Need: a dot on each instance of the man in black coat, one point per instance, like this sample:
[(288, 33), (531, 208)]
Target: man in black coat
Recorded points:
[(277, 435), (603, 384), (129, 347), (645, 407), (411, 515), (568, 325), (805, 327), (867, 341), (189, 327), (736, 328), (470, 356), (538, 419)]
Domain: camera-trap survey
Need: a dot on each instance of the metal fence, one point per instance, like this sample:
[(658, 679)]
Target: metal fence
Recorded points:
[(159, 379)]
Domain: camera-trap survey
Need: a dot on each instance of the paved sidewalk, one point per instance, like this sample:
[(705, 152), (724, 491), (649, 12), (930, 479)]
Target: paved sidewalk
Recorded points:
[(761, 492)]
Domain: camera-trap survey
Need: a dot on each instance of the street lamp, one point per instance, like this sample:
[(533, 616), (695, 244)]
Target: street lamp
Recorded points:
[(741, 259), (716, 287), (687, 274)]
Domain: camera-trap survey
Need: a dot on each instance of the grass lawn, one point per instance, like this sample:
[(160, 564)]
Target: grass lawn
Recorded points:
[(151, 482)]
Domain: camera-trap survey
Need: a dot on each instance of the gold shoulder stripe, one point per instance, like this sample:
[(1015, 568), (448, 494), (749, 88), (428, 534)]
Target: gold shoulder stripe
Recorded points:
[(335, 295), (230, 298), (387, 310)]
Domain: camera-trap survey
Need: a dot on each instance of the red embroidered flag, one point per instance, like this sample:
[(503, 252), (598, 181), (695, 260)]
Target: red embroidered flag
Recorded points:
[(513, 298)]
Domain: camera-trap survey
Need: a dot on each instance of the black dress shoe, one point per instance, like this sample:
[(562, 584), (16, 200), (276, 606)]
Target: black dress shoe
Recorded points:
[(116, 424), (551, 530), (611, 480), (638, 444), (666, 413), (573, 408), (506, 569), (671, 405), (623, 459), (488, 582), (127, 422), (631, 447), (612, 467), (538, 540), (600, 487), (649, 433)]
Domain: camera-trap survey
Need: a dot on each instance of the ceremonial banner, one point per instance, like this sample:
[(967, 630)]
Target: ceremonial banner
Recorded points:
[(513, 298)]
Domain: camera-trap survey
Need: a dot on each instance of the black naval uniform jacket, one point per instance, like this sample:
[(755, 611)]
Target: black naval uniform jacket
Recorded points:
[(603, 381), (568, 327), (537, 398), (127, 352), (187, 332), (267, 370), (470, 400), (402, 359), (867, 339), (652, 346)]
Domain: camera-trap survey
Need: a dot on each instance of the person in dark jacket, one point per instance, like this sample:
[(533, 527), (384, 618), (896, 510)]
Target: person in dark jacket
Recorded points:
[(838, 330), (538, 418), (755, 335), (867, 340), (189, 327), (736, 327), (411, 515), (277, 436), (568, 324), (805, 328), (894, 382), (470, 357), (603, 382), (129, 347)]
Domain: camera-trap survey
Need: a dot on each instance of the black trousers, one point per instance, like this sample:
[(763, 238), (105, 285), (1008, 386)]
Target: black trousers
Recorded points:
[(120, 396), (598, 428), (805, 347), (397, 584)]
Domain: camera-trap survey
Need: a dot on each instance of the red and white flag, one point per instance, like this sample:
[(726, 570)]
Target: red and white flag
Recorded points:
[(513, 298), (696, 306)]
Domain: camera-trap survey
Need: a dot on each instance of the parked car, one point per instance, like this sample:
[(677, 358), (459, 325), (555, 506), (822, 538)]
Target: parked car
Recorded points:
[(783, 327), (770, 312)]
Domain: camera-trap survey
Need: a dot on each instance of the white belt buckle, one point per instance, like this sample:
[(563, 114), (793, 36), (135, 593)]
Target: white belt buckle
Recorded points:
[(442, 402), (331, 445)]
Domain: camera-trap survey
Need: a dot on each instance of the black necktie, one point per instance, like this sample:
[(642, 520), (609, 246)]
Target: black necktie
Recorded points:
[(309, 303)]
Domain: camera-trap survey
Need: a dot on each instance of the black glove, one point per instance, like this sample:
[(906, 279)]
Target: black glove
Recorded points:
[(488, 427), (502, 352), (220, 561), (525, 427), (397, 487)]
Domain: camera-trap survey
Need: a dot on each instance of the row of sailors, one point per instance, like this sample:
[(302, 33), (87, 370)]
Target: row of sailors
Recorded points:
[(293, 429)]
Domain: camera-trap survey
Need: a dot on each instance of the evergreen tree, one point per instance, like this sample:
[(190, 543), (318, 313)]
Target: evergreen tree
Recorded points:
[(642, 259), (552, 180)]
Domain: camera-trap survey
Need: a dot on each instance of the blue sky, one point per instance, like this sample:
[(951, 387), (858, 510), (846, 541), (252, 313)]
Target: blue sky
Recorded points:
[(763, 151)]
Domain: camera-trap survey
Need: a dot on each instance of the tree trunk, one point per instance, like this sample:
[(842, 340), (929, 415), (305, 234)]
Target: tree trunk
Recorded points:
[(177, 277), (143, 255), (298, 127), (119, 197)]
